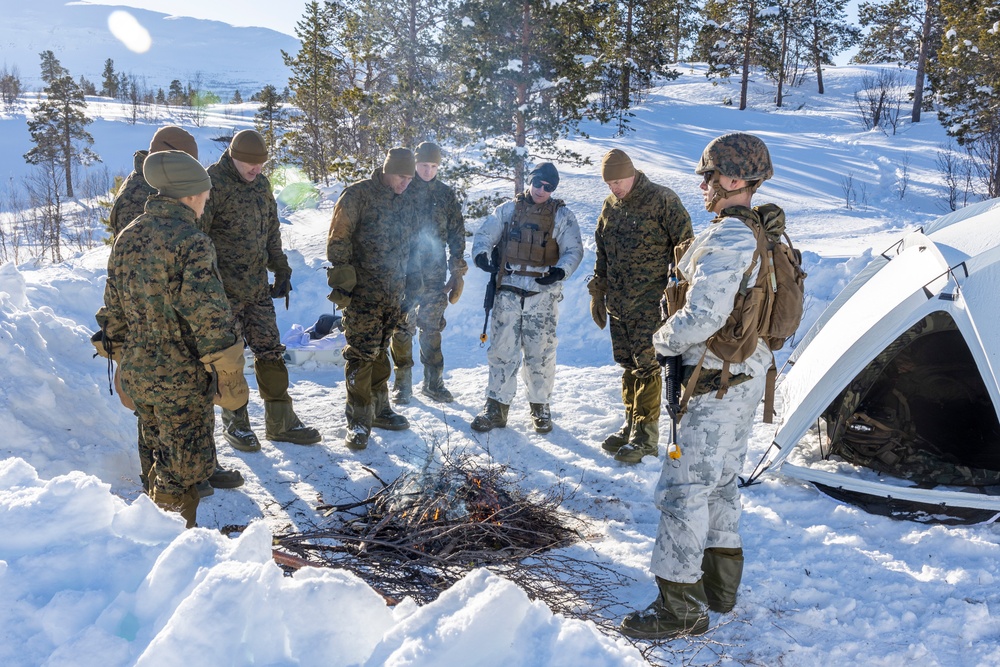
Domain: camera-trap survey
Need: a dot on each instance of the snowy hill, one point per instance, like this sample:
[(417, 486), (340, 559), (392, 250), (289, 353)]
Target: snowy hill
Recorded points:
[(222, 57), (91, 573)]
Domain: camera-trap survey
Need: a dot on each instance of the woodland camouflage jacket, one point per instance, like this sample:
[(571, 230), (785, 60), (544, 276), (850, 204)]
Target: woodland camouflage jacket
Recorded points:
[(242, 219), (164, 302), (371, 230), (635, 239)]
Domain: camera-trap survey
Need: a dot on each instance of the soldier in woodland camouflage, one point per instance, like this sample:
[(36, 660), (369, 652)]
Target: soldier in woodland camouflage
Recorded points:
[(369, 250), (639, 226), (129, 204), (166, 319), (439, 225), (539, 244), (698, 555), (242, 219)]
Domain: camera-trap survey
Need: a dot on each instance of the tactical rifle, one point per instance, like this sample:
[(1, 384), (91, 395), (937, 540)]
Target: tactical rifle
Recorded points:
[(491, 291), (672, 394)]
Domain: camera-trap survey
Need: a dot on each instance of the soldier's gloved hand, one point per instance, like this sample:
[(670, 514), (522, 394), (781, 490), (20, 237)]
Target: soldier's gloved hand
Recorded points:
[(342, 281), (554, 275), (282, 285), (598, 288), (232, 392), (453, 288), (482, 260), (108, 349)]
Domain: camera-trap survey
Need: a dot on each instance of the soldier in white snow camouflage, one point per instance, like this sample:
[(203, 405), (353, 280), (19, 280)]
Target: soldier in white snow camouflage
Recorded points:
[(698, 555), (540, 246)]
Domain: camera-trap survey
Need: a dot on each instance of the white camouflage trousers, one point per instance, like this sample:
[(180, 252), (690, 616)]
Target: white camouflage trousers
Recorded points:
[(523, 327), (697, 495)]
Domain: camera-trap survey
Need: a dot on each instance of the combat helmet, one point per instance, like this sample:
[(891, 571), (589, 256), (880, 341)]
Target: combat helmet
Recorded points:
[(737, 155)]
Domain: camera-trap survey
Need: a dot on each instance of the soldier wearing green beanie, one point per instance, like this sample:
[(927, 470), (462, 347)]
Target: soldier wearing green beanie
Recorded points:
[(242, 219), (439, 226), (162, 270), (129, 204), (369, 251)]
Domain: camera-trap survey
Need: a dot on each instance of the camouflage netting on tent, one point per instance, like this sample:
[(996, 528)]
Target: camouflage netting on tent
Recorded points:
[(920, 411)]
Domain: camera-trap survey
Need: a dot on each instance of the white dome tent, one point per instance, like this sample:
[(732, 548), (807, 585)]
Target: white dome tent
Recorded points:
[(917, 332)]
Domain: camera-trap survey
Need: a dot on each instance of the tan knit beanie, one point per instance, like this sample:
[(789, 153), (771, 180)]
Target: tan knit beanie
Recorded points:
[(400, 161), (175, 174), (173, 138), (248, 146), (616, 165), (428, 152)]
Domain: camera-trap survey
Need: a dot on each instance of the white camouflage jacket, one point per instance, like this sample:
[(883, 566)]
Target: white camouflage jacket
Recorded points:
[(566, 233), (714, 266)]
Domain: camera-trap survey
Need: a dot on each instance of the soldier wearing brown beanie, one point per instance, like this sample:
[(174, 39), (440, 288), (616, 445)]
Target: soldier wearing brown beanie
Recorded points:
[(242, 219), (369, 251), (439, 226), (639, 226)]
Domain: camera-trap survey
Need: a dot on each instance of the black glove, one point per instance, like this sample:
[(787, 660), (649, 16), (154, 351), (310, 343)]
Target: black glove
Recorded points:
[(483, 262), (281, 287), (554, 275)]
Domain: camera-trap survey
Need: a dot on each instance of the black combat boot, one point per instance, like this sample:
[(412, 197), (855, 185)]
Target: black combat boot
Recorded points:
[(282, 425), (541, 417), (493, 415), (359, 426), (237, 432)]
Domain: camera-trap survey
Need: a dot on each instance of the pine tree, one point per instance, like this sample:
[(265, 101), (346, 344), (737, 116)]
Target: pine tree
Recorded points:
[(732, 41), (907, 32), (966, 77), (10, 87), (52, 69), (637, 52), (109, 80), (236, 98), (270, 120), (312, 84), (176, 94), (58, 125), (527, 71), (823, 27)]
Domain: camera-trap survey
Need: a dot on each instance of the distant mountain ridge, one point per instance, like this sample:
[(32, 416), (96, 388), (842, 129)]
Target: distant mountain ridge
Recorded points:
[(223, 57)]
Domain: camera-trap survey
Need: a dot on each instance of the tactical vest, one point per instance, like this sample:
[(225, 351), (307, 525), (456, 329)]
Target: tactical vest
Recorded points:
[(527, 239)]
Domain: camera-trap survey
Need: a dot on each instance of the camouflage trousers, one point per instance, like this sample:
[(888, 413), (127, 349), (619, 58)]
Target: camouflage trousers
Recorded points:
[(697, 495), (181, 439), (427, 314), (368, 326), (632, 345), (257, 323), (523, 328)]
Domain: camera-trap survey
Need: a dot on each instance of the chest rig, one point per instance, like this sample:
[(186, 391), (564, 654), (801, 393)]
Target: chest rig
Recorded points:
[(527, 239)]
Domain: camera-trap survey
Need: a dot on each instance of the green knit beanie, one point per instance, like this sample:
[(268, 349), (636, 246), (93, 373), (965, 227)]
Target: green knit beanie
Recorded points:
[(175, 174)]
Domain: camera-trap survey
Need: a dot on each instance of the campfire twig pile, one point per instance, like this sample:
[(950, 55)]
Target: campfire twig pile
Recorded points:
[(421, 533)]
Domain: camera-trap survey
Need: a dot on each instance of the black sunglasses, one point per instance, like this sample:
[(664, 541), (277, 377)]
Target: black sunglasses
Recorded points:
[(537, 182), (708, 176)]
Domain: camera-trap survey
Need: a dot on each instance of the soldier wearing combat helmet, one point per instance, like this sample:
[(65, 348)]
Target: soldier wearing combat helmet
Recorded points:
[(640, 224), (698, 556)]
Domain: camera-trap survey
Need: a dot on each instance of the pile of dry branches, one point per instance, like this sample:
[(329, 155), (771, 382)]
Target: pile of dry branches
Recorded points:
[(419, 534)]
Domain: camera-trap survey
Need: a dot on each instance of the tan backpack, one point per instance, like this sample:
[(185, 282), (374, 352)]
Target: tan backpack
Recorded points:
[(770, 308)]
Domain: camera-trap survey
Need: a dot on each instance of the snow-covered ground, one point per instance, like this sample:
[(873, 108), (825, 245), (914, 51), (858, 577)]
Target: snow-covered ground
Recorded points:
[(91, 573)]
